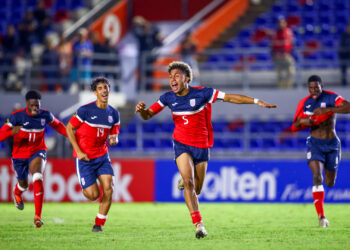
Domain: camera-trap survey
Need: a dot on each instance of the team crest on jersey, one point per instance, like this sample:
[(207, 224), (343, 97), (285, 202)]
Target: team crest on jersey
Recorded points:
[(323, 104), (110, 119), (193, 102), (42, 122)]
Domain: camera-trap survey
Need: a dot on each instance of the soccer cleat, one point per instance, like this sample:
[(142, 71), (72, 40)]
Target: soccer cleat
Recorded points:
[(37, 221), (180, 184), (97, 228), (323, 222), (18, 201), (200, 231)]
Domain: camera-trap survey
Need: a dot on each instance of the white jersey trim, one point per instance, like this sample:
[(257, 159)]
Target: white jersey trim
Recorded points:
[(160, 103), (308, 113), (117, 123), (97, 125), (77, 116), (189, 112), (9, 124), (212, 97), (32, 130)]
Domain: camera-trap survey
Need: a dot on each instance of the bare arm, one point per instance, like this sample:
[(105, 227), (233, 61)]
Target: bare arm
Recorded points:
[(344, 108), (145, 114), (307, 121), (73, 140), (242, 99)]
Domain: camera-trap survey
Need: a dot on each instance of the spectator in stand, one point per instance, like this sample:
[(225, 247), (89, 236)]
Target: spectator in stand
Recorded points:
[(149, 38), (9, 51), (188, 51), (100, 53), (82, 60), (26, 29), (105, 54), (49, 62), (64, 50), (43, 21), (344, 54), (282, 46)]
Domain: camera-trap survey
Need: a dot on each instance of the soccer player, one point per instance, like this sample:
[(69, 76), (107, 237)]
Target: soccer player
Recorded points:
[(27, 126), (316, 111), (193, 134), (94, 123)]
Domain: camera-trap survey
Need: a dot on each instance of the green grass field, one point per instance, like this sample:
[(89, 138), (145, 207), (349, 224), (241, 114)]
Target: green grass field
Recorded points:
[(169, 226)]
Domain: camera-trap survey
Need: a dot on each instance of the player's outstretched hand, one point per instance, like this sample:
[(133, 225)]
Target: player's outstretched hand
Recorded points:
[(16, 129), (83, 157), (140, 106), (263, 104), (320, 111), (113, 140)]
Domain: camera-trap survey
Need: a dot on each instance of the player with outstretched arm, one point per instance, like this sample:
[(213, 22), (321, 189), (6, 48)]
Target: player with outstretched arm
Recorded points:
[(94, 124), (317, 111), (193, 134), (27, 126)]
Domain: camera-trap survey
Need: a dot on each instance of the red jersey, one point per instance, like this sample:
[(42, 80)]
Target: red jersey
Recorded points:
[(282, 41), (307, 106), (93, 125), (30, 138), (191, 115)]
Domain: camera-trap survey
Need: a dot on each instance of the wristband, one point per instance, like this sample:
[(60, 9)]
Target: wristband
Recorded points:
[(256, 100)]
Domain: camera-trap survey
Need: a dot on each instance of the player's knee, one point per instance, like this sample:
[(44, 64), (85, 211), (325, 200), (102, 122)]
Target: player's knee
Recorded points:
[(108, 192), (188, 183), (37, 177), (198, 191), (330, 183), (94, 195)]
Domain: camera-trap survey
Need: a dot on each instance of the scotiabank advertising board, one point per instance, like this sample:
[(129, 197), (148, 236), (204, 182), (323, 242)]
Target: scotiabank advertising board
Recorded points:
[(134, 181), (253, 181)]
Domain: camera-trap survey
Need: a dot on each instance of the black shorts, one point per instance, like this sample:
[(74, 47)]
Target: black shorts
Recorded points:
[(324, 150), (198, 154)]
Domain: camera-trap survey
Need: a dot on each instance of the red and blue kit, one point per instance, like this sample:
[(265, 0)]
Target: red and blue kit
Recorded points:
[(30, 139), (191, 115), (307, 106), (93, 125), (324, 150)]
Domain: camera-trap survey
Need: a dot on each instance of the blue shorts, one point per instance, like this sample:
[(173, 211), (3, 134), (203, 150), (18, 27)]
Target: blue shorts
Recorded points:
[(325, 150), (89, 171), (21, 166), (198, 154)]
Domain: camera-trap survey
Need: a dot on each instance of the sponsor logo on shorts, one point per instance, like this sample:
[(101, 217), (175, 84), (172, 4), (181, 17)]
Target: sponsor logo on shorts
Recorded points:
[(308, 155)]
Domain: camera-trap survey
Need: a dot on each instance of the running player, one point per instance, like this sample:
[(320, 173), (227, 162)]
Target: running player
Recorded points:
[(27, 126), (316, 111), (94, 123), (193, 134)]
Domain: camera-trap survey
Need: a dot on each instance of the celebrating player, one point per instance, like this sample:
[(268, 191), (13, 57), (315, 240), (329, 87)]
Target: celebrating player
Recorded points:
[(27, 126), (316, 111), (193, 134), (94, 123)]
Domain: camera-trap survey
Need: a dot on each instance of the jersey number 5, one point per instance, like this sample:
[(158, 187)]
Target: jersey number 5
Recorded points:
[(100, 132), (186, 121)]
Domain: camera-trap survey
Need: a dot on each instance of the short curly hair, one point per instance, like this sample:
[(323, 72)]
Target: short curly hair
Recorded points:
[(184, 67), (97, 80), (33, 94)]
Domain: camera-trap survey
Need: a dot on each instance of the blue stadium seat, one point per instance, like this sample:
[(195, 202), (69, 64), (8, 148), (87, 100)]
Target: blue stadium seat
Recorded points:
[(149, 144), (149, 127), (166, 143), (219, 126)]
